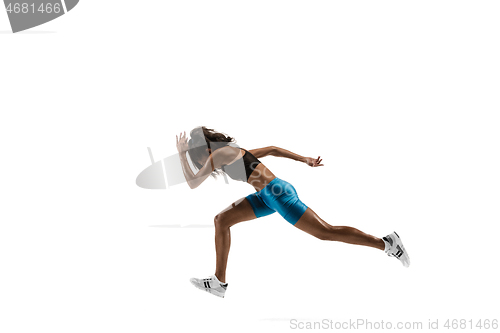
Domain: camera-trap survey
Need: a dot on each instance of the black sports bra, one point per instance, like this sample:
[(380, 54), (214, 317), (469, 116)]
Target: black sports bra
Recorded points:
[(242, 168)]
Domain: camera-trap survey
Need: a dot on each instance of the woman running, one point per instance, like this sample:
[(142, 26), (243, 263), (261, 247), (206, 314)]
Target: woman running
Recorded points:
[(214, 153)]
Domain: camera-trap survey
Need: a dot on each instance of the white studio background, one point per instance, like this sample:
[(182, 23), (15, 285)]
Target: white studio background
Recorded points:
[(400, 99)]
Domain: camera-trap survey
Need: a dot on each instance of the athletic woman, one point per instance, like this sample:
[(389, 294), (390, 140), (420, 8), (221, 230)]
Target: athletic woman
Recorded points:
[(215, 153)]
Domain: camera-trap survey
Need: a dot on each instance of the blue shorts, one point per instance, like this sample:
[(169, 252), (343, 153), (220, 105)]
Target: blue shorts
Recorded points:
[(278, 196)]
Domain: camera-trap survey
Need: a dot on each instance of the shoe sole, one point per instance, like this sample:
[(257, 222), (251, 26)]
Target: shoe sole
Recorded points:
[(405, 258)]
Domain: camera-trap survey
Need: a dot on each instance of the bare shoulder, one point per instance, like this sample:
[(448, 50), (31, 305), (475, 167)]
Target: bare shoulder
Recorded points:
[(225, 155)]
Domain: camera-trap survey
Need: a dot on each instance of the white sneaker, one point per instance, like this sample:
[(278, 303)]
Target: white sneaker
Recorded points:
[(394, 248), (211, 285)]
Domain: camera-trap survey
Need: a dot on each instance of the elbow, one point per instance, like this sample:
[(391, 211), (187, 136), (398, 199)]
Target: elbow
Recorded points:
[(274, 151), (192, 185)]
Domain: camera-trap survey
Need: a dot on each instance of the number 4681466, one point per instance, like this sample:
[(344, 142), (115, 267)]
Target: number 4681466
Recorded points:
[(25, 8)]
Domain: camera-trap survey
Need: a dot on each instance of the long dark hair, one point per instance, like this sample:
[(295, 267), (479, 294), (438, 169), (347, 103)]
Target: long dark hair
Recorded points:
[(201, 138)]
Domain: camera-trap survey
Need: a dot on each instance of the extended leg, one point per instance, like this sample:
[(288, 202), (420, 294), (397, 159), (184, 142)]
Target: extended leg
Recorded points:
[(311, 223)]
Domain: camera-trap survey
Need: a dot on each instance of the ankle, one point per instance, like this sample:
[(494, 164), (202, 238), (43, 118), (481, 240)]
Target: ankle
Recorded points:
[(385, 245), (221, 278)]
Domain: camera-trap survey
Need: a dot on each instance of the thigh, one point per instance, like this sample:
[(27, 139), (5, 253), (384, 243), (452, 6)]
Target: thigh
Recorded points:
[(311, 223), (260, 208), (238, 211)]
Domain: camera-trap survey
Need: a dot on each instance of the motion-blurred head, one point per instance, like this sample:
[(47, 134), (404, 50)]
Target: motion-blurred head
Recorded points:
[(203, 142)]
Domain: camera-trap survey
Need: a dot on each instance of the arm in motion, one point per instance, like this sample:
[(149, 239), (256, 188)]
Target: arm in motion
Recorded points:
[(214, 161), (194, 180), (280, 152)]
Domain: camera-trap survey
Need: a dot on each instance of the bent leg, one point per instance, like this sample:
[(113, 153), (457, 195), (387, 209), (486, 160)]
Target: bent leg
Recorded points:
[(311, 223), (239, 211)]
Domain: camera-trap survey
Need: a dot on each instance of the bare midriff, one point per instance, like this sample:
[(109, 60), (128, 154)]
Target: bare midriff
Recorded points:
[(260, 177)]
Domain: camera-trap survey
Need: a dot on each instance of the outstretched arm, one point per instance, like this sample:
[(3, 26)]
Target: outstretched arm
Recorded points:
[(280, 152)]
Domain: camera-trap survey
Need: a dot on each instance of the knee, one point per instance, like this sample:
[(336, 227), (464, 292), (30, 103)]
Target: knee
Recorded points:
[(219, 221)]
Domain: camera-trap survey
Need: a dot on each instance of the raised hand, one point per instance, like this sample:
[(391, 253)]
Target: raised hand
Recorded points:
[(181, 142), (314, 162)]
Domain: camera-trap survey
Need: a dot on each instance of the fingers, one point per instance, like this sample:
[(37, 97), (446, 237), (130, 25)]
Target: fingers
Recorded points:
[(314, 162), (181, 137)]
